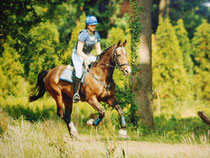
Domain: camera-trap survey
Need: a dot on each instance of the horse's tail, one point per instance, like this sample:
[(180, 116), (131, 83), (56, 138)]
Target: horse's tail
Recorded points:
[(40, 87)]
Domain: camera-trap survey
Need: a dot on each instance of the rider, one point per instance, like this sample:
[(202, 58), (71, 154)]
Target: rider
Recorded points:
[(87, 39)]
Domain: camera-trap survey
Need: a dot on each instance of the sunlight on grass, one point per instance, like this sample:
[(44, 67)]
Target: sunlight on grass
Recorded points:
[(35, 130), (50, 138)]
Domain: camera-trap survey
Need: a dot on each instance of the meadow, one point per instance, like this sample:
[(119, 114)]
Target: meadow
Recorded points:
[(34, 130)]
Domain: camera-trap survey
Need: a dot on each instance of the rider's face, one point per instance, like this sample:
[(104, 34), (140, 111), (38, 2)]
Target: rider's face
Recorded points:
[(92, 28)]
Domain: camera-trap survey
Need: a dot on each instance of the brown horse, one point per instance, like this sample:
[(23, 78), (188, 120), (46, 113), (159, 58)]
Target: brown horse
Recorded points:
[(98, 86)]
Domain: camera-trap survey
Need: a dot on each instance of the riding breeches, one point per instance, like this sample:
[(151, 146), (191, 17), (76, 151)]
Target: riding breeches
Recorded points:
[(78, 62)]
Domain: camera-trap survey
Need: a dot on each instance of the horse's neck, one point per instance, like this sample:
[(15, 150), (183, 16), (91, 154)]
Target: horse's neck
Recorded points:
[(104, 67), (107, 57)]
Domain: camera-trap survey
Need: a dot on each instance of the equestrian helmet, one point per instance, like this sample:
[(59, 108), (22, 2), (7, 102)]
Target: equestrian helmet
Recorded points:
[(91, 20)]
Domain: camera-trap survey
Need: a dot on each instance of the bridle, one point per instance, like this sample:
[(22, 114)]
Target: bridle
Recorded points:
[(115, 61)]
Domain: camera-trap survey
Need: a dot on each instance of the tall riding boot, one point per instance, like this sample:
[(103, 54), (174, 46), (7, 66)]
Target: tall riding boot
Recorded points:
[(76, 96)]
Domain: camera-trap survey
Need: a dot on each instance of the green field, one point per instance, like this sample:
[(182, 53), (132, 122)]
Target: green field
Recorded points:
[(34, 130)]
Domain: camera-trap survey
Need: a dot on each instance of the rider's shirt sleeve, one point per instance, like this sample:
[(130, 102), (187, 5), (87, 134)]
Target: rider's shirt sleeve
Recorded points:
[(98, 38), (83, 36)]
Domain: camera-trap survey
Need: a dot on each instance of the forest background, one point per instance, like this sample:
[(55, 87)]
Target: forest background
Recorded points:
[(39, 35)]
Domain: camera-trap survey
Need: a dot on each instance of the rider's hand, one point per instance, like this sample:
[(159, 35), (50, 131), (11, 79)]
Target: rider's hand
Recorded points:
[(87, 62), (92, 59)]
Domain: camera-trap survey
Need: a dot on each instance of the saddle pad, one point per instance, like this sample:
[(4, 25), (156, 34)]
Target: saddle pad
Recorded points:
[(67, 74)]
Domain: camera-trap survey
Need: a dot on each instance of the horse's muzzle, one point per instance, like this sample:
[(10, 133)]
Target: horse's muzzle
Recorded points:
[(127, 70)]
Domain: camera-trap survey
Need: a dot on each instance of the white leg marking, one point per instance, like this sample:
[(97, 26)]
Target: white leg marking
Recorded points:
[(73, 130), (123, 133), (90, 122)]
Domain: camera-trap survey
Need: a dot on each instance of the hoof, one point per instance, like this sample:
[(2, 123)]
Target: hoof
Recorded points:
[(73, 130), (123, 133), (90, 122)]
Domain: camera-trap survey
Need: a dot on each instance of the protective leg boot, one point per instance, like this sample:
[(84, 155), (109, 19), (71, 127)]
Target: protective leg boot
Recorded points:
[(76, 96)]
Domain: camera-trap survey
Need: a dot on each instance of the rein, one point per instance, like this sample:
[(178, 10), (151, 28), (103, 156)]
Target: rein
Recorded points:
[(115, 61), (107, 86)]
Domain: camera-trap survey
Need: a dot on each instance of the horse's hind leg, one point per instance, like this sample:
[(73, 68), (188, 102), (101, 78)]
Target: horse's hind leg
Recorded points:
[(57, 95), (67, 116), (96, 105)]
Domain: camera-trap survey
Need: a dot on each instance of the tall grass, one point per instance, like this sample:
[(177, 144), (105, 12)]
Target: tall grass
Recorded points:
[(168, 129), (34, 130), (50, 138)]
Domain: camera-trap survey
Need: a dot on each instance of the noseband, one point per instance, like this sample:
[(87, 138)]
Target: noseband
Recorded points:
[(115, 61)]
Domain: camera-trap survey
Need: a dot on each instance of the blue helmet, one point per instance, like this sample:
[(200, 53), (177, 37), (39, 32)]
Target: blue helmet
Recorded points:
[(91, 20)]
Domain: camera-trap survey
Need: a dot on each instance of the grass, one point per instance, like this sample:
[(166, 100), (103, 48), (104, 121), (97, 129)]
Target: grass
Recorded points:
[(34, 130), (50, 138)]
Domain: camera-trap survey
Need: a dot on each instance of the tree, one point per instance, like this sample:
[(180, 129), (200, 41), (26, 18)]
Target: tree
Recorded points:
[(42, 54), (192, 13), (80, 25), (163, 9), (141, 78), (170, 79), (201, 55), (185, 46), (11, 71)]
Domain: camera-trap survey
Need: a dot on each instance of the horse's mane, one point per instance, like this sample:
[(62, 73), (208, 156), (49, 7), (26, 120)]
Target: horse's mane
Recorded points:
[(102, 54)]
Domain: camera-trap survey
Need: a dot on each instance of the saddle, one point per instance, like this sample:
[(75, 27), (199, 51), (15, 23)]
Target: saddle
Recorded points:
[(69, 73)]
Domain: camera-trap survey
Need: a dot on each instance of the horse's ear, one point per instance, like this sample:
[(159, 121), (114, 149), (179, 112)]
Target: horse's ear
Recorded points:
[(118, 44), (124, 44)]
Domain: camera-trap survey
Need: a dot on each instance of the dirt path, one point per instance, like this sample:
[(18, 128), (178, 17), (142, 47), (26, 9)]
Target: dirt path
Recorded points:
[(141, 149)]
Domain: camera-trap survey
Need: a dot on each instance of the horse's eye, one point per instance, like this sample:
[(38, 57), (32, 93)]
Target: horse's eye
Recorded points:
[(118, 55)]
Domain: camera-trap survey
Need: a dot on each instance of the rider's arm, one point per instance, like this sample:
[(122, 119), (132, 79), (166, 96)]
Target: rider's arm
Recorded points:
[(80, 46), (98, 48)]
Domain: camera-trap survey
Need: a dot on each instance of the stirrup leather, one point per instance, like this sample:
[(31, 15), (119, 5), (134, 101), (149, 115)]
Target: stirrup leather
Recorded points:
[(76, 96)]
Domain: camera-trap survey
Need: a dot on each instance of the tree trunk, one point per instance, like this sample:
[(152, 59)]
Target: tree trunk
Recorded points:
[(142, 80), (163, 9)]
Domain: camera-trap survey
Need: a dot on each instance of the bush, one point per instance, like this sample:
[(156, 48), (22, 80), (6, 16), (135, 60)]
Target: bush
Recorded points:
[(16, 111)]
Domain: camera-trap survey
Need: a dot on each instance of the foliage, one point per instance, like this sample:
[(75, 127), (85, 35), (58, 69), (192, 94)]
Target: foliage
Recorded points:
[(192, 13), (105, 11), (18, 111), (201, 53), (42, 55), (11, 74), (185, 46), (170, 79), (135, 30), (172, 129), (80, 25)]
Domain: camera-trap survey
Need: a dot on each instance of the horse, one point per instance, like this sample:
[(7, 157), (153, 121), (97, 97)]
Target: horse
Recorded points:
[(98, 86)]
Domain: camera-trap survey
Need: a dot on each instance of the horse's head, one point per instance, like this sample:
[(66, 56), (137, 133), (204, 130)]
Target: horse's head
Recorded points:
[(120, 58)]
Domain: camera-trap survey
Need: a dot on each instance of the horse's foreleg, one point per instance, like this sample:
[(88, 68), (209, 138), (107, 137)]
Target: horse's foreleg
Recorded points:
[(122, 117), (113, 103), (96, 105), (67, 116)]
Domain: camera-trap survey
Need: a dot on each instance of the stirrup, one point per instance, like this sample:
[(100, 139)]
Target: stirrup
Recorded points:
[(76, 98)]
